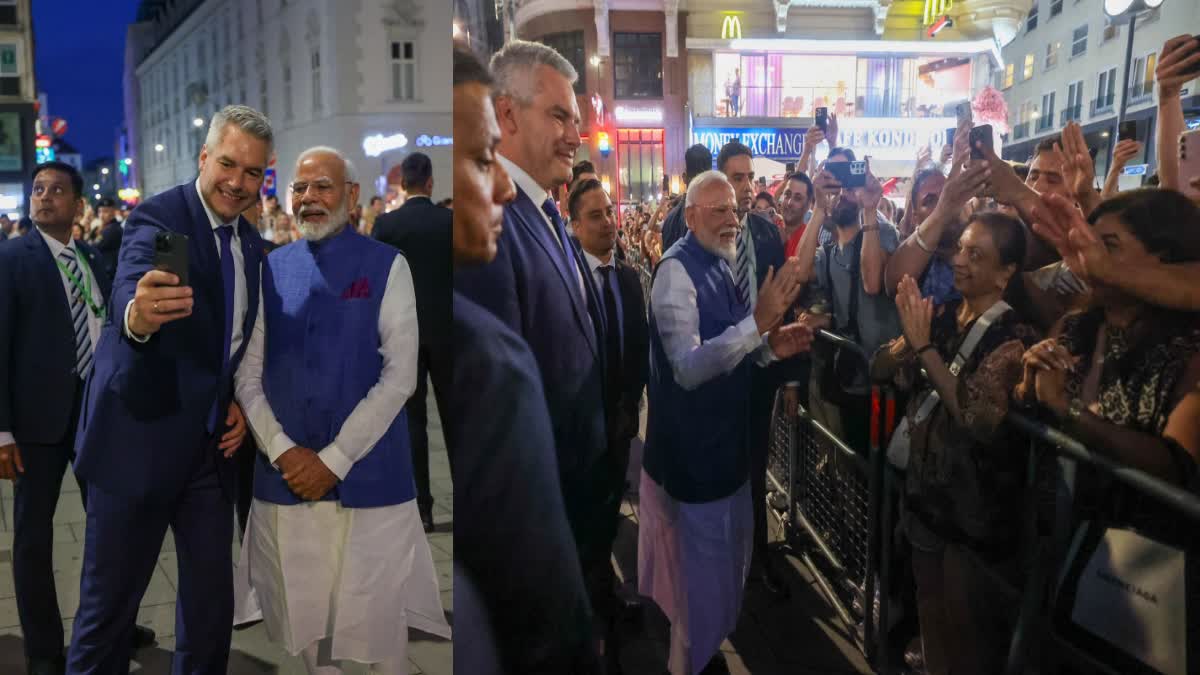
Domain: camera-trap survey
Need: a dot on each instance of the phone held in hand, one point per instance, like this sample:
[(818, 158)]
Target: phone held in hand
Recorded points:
[(950, 136), (850, 174), (980, 134), (963, 112), (171, 254), (1189, 162), (1127, 131), (822, 119)]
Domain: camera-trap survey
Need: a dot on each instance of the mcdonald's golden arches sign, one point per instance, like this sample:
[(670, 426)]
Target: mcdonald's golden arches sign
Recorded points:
[(935, 9), (731, 27)]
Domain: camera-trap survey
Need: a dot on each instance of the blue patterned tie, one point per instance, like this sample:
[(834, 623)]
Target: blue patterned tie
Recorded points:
[(551, 212), (228, 281), (744, 275), (79, 311)]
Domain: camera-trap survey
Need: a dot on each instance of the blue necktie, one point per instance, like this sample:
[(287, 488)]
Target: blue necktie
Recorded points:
[(225, 232), (551, 212), (227, 279)]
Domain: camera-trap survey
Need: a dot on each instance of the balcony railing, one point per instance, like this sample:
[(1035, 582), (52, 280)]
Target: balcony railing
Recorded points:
[(864, 102), (1021, 131), (1103, 104), (1070, 114)]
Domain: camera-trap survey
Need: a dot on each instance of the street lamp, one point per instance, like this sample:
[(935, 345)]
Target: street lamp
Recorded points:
[(1122, 11), (198, 122), (158, 147), (95, 186), (104, 170)]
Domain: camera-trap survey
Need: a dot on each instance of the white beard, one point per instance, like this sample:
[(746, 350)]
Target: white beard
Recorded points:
[(320, 231)]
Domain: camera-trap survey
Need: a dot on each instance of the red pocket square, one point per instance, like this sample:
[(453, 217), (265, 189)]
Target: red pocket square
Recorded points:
[(359, 289)]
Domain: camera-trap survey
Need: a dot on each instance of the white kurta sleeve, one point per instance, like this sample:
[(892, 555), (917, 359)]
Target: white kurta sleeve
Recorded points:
[(693, 362), (373, 415), (267, 430)]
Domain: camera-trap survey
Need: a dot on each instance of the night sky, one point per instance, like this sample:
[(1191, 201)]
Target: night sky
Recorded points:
[(79, 58)]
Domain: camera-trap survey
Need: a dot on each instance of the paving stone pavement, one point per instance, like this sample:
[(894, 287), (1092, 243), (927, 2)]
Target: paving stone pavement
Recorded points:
[(799, 636), (252, 652)]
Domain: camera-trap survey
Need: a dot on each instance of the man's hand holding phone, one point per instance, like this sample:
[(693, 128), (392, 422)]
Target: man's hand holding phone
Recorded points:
[(159, 300)]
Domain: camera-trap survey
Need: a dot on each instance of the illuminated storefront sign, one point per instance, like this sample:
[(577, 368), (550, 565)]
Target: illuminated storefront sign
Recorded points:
[(424, 141), (881, 138), (936, 9), (731, 27), (627, 114), (378, 144)]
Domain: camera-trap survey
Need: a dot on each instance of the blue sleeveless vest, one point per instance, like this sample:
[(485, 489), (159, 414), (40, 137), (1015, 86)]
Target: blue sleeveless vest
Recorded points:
[(321, 307), (697, 441)]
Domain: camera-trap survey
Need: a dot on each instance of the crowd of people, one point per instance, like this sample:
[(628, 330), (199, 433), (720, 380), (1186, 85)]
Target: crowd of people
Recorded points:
[(996, 287), (198, 368)]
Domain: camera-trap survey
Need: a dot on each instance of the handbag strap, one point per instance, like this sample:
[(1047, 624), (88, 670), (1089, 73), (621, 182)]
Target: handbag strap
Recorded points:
[(974, 336)]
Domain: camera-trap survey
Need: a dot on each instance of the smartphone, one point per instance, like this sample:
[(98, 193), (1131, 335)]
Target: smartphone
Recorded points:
[(963, 112), (789, 168), (849, 174), (950, 137), (666, 188), (1127, 131), (822, 119), (1189, 162), (1196, 68), (171, 254), (980, 134)]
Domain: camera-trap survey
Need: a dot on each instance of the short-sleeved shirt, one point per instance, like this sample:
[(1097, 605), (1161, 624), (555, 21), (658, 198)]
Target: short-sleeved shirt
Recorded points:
[(878, 322)]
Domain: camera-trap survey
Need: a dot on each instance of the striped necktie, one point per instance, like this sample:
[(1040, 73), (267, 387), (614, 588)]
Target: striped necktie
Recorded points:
[(79, 310), (744, 274)]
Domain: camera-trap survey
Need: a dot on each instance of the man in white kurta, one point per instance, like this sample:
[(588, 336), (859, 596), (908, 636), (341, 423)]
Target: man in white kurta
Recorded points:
[(334, 551), (694, 538)]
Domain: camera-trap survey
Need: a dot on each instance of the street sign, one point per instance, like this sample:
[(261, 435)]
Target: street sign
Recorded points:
[(1136, 170), (59, 126)]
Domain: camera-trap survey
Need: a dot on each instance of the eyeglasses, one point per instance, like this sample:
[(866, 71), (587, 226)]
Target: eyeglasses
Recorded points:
[(719, 209), (323, 187)]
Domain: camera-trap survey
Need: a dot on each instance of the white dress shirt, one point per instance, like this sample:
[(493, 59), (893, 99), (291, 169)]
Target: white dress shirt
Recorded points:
[(694, 362), (240, 300), (538, 195), (93, 322), (373, 415)]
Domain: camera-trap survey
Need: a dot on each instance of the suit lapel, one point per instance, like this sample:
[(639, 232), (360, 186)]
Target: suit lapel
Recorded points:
[(47, 275), (530, 217), (206, 272)]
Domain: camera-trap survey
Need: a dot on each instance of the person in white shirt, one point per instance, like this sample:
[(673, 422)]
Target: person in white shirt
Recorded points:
[(694, 539), (334, 550)]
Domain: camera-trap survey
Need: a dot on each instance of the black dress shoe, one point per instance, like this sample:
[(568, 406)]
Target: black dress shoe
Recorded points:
[(46, 666), (142, 637), (426, 517)]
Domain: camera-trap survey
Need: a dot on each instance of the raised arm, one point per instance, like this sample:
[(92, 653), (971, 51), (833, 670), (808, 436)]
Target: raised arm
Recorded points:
[(1178, 56)]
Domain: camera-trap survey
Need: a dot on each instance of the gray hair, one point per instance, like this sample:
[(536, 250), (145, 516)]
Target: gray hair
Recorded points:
[(513, 67), (351, 172), (247, 119), (702, 181)]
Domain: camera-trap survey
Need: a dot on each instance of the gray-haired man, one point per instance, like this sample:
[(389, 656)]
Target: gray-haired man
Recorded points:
[(540, 287), (159, 424)]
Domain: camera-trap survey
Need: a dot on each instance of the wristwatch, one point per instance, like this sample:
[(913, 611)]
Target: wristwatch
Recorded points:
[(1075, 410)]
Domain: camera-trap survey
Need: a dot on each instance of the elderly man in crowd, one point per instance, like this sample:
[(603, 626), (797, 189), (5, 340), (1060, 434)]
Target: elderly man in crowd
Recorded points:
[(694, 542), (335, 550)]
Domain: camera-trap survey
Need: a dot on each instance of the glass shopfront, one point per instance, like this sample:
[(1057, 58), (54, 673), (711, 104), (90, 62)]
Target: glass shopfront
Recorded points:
[(794, 85), (640, 165)]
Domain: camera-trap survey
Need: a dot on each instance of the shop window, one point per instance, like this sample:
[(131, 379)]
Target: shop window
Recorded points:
[(570, 45), (638, 65), (640, 165)]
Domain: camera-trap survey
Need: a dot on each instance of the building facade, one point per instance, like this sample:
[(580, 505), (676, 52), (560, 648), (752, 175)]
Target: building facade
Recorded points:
[(18, 99), (657, 76), (1068, 63), (368, 77)]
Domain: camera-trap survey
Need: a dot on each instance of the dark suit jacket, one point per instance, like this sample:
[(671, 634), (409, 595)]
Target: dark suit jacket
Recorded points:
[(422, 232), (109, 245), (769, 252), (512, 540), (529, 288), (38, 382), (674, 227), (635, 353), (146, 407)]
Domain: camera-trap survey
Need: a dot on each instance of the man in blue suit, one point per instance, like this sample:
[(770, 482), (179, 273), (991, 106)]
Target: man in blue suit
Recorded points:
[(539, 286), (519, 600), (52, 296), (159, 424)]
